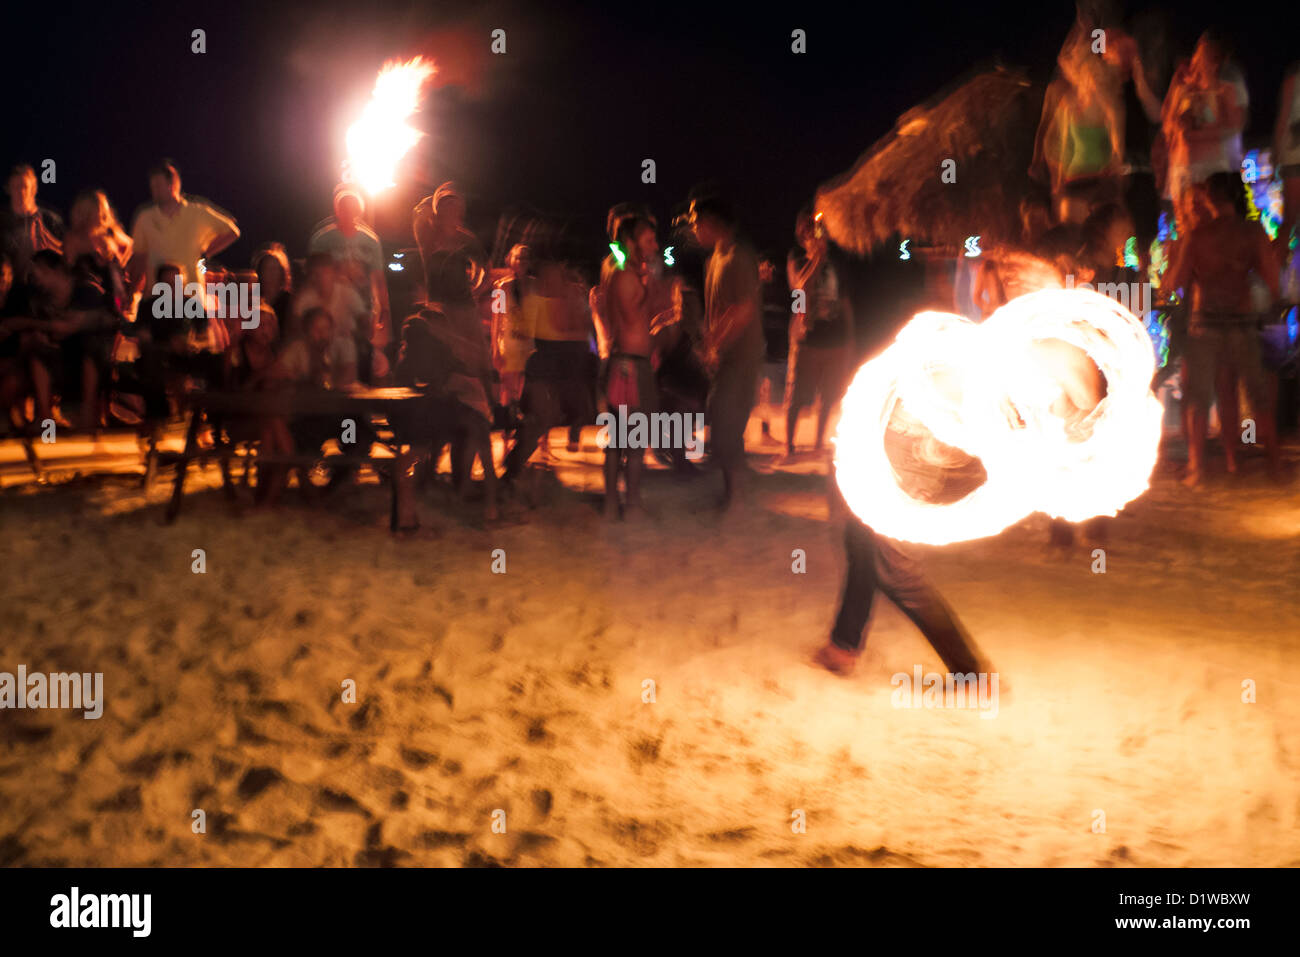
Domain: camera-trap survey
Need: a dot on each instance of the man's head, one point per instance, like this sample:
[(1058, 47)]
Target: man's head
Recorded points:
[(318, 325), (52, 275), (517, 260), (164, 183), (635, 233), (448, 208), (807, 231), (348, 207), (21, 187), (1107, 229), (1225, 193), (711, 217)]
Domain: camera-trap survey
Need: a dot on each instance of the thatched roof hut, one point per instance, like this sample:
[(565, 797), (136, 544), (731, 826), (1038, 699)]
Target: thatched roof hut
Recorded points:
[(986, 124)]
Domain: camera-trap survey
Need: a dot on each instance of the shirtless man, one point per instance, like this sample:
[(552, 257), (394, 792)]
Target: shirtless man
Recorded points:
[(1216, 263), (629, 378)]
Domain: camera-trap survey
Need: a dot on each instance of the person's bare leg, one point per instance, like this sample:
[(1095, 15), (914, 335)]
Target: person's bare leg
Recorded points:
[(823, 417), (791, 423), (484, 447), (1225, 388), (1196, 424), (89, 396), (635, 508), (612, 457), (43, 391)]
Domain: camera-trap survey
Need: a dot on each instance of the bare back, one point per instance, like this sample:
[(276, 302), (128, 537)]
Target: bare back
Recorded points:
[(1221, 256)]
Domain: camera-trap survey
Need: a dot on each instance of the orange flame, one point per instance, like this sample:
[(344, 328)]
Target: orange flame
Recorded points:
[(1008, 393), (381, 137)]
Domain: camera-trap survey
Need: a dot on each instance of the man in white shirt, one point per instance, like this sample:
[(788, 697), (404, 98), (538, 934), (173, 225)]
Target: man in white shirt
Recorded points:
[(174, 229)]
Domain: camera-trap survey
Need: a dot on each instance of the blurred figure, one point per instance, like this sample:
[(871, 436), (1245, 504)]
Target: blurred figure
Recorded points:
[(316, 359), (176, 228), (733, 345), (820, 337), (511, 342), (97, 245), (455, 265), (324, 289), (275, 276), (1081, 137), (1204, 114), (629, 375), (455, 270), (559, 375), (1215, 262), (360, 257), (1286, 158), (13, 380), (68, 341), (26, 228), (440, 354)]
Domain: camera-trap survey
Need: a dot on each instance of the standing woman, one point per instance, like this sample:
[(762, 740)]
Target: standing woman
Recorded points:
[(97, 246)]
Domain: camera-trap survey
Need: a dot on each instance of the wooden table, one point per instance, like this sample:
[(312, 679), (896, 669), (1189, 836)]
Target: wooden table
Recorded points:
[(357, 404)]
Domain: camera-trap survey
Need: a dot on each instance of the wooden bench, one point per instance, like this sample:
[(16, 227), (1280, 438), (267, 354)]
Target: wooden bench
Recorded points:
[(361, 405)]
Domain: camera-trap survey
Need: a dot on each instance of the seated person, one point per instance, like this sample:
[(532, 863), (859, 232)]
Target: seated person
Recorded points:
[(317, 359), (65, 343)]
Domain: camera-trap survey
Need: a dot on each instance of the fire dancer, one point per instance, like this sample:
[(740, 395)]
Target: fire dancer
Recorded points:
[(1217, 261), (733, 343), (876, 563), (629, 378)]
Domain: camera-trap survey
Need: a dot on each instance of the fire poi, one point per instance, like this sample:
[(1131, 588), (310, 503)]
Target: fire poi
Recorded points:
[(958, 429), (377, 142)]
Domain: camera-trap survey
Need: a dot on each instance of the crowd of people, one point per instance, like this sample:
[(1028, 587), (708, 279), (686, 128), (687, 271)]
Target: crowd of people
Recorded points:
[(529, 344), (1145, 192)]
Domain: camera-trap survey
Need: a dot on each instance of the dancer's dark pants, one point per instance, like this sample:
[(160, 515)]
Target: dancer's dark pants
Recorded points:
[(877, 564)]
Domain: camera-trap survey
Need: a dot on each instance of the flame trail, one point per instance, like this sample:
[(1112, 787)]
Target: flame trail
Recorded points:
[(959, 430), (381, 137)]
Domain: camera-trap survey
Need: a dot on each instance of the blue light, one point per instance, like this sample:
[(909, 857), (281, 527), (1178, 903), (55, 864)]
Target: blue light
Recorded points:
[(395, 267), (1293, 324), (902, 250), (972, 246), (668, 256)]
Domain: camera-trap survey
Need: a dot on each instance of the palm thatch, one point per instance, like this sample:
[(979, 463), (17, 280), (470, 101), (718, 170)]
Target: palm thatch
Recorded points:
[(987, 124)]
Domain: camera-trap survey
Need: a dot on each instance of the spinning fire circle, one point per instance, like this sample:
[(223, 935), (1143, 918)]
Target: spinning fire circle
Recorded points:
[(959, 429)]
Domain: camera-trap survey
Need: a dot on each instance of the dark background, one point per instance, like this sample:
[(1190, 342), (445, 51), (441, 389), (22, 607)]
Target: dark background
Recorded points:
[(561, 122)]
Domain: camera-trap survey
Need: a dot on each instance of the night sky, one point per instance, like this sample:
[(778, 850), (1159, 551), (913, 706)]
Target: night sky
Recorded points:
[(561, 122)]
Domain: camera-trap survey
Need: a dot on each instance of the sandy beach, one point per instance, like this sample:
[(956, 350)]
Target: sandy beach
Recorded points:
[(521, 698)]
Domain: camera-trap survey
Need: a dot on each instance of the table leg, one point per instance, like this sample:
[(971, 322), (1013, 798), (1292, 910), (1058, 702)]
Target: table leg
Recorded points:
[(191, 441)]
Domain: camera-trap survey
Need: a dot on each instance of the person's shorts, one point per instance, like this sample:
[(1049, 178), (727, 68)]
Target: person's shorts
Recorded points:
[(814, 371), (629, 381), (1212, 345)]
